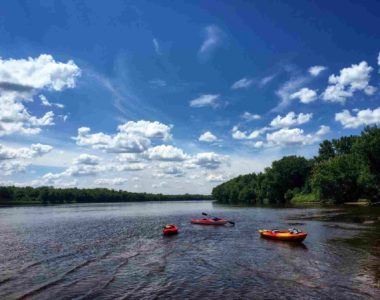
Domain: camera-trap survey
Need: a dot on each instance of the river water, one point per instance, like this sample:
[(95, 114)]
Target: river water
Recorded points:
[(116, 251)]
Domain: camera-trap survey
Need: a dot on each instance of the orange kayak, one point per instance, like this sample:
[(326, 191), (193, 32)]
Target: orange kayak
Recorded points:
[(170, 229), (283, 235)]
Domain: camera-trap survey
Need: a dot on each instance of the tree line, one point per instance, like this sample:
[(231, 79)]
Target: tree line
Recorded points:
[(49, 195), (345, 170)]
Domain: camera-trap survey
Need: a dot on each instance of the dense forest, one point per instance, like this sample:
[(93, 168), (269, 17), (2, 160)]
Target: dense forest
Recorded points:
[(10, 195), (345, 170)]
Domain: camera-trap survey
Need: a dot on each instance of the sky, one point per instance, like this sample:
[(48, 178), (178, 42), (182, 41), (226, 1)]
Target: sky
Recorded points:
[(178, 96)]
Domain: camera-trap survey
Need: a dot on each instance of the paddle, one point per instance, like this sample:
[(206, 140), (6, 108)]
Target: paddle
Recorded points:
[(231, 222)]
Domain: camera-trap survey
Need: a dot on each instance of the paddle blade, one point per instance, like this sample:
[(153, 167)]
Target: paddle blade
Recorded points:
[(204, 214), (233, 223)]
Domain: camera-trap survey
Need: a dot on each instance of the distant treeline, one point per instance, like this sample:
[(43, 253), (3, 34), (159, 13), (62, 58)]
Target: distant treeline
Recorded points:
[(48, 195), (345, 170)]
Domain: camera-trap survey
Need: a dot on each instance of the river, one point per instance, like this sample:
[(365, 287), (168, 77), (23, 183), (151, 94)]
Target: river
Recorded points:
[(116, 251)]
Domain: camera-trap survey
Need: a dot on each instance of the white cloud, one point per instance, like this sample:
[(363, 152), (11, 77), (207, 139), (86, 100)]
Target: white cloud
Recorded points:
[(14, 160), (305, 95), (14, 117), (156, 46), (363, 117), (286, 137), (83, 170), (264, 81), (151, 130), (46, 102), (216, 178), (38, 73), (316, 70), (111, 181), (209, 160), (132, 137), (205, 100), (323, 130), (378, 60), (35, 150), (87, 159), (13, 166), (287, 89), (166, 153), (250, 117), (350, 80), (242, 135), (20, 79), (208, 137), (242, 83), (129, 157), (118, 143), (291, 119), (129, 167), (213, 39), (170, 170)]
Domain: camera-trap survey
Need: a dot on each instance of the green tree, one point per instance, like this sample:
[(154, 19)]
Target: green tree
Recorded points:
[(337, 179)]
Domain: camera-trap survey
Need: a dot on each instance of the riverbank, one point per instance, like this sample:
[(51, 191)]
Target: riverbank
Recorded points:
[(11, 195)]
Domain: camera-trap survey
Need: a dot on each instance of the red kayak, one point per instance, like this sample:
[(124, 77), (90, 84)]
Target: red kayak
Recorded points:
[(170, 229), (209, 222)]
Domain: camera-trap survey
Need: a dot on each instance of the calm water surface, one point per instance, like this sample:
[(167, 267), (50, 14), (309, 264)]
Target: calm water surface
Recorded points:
[(116, 251)]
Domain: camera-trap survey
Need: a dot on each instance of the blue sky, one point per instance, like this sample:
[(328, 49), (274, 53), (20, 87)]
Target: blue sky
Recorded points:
[(175, 97)]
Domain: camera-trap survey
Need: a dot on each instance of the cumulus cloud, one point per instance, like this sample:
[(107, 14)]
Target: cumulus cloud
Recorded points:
[(286, 137), (87, 159), (208, 137), (287, 89), (132, 137), (213, 39), (13, 166), (111, 181), (291, 119), (38, 73), (209, 160), (14, 160), (323, 130), (129, 167), (305, 95), (169, 170), (205, 100), (243, 135), (129, 157), (316, 70), (14, 117), (250, 117), (350, 80), (242, 83), (20, 80), (362, 117), (166, 153), (35, 150)]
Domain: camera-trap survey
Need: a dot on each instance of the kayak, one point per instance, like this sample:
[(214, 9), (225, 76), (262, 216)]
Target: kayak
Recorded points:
[(283, 235), (209, 222), (170, 229)]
